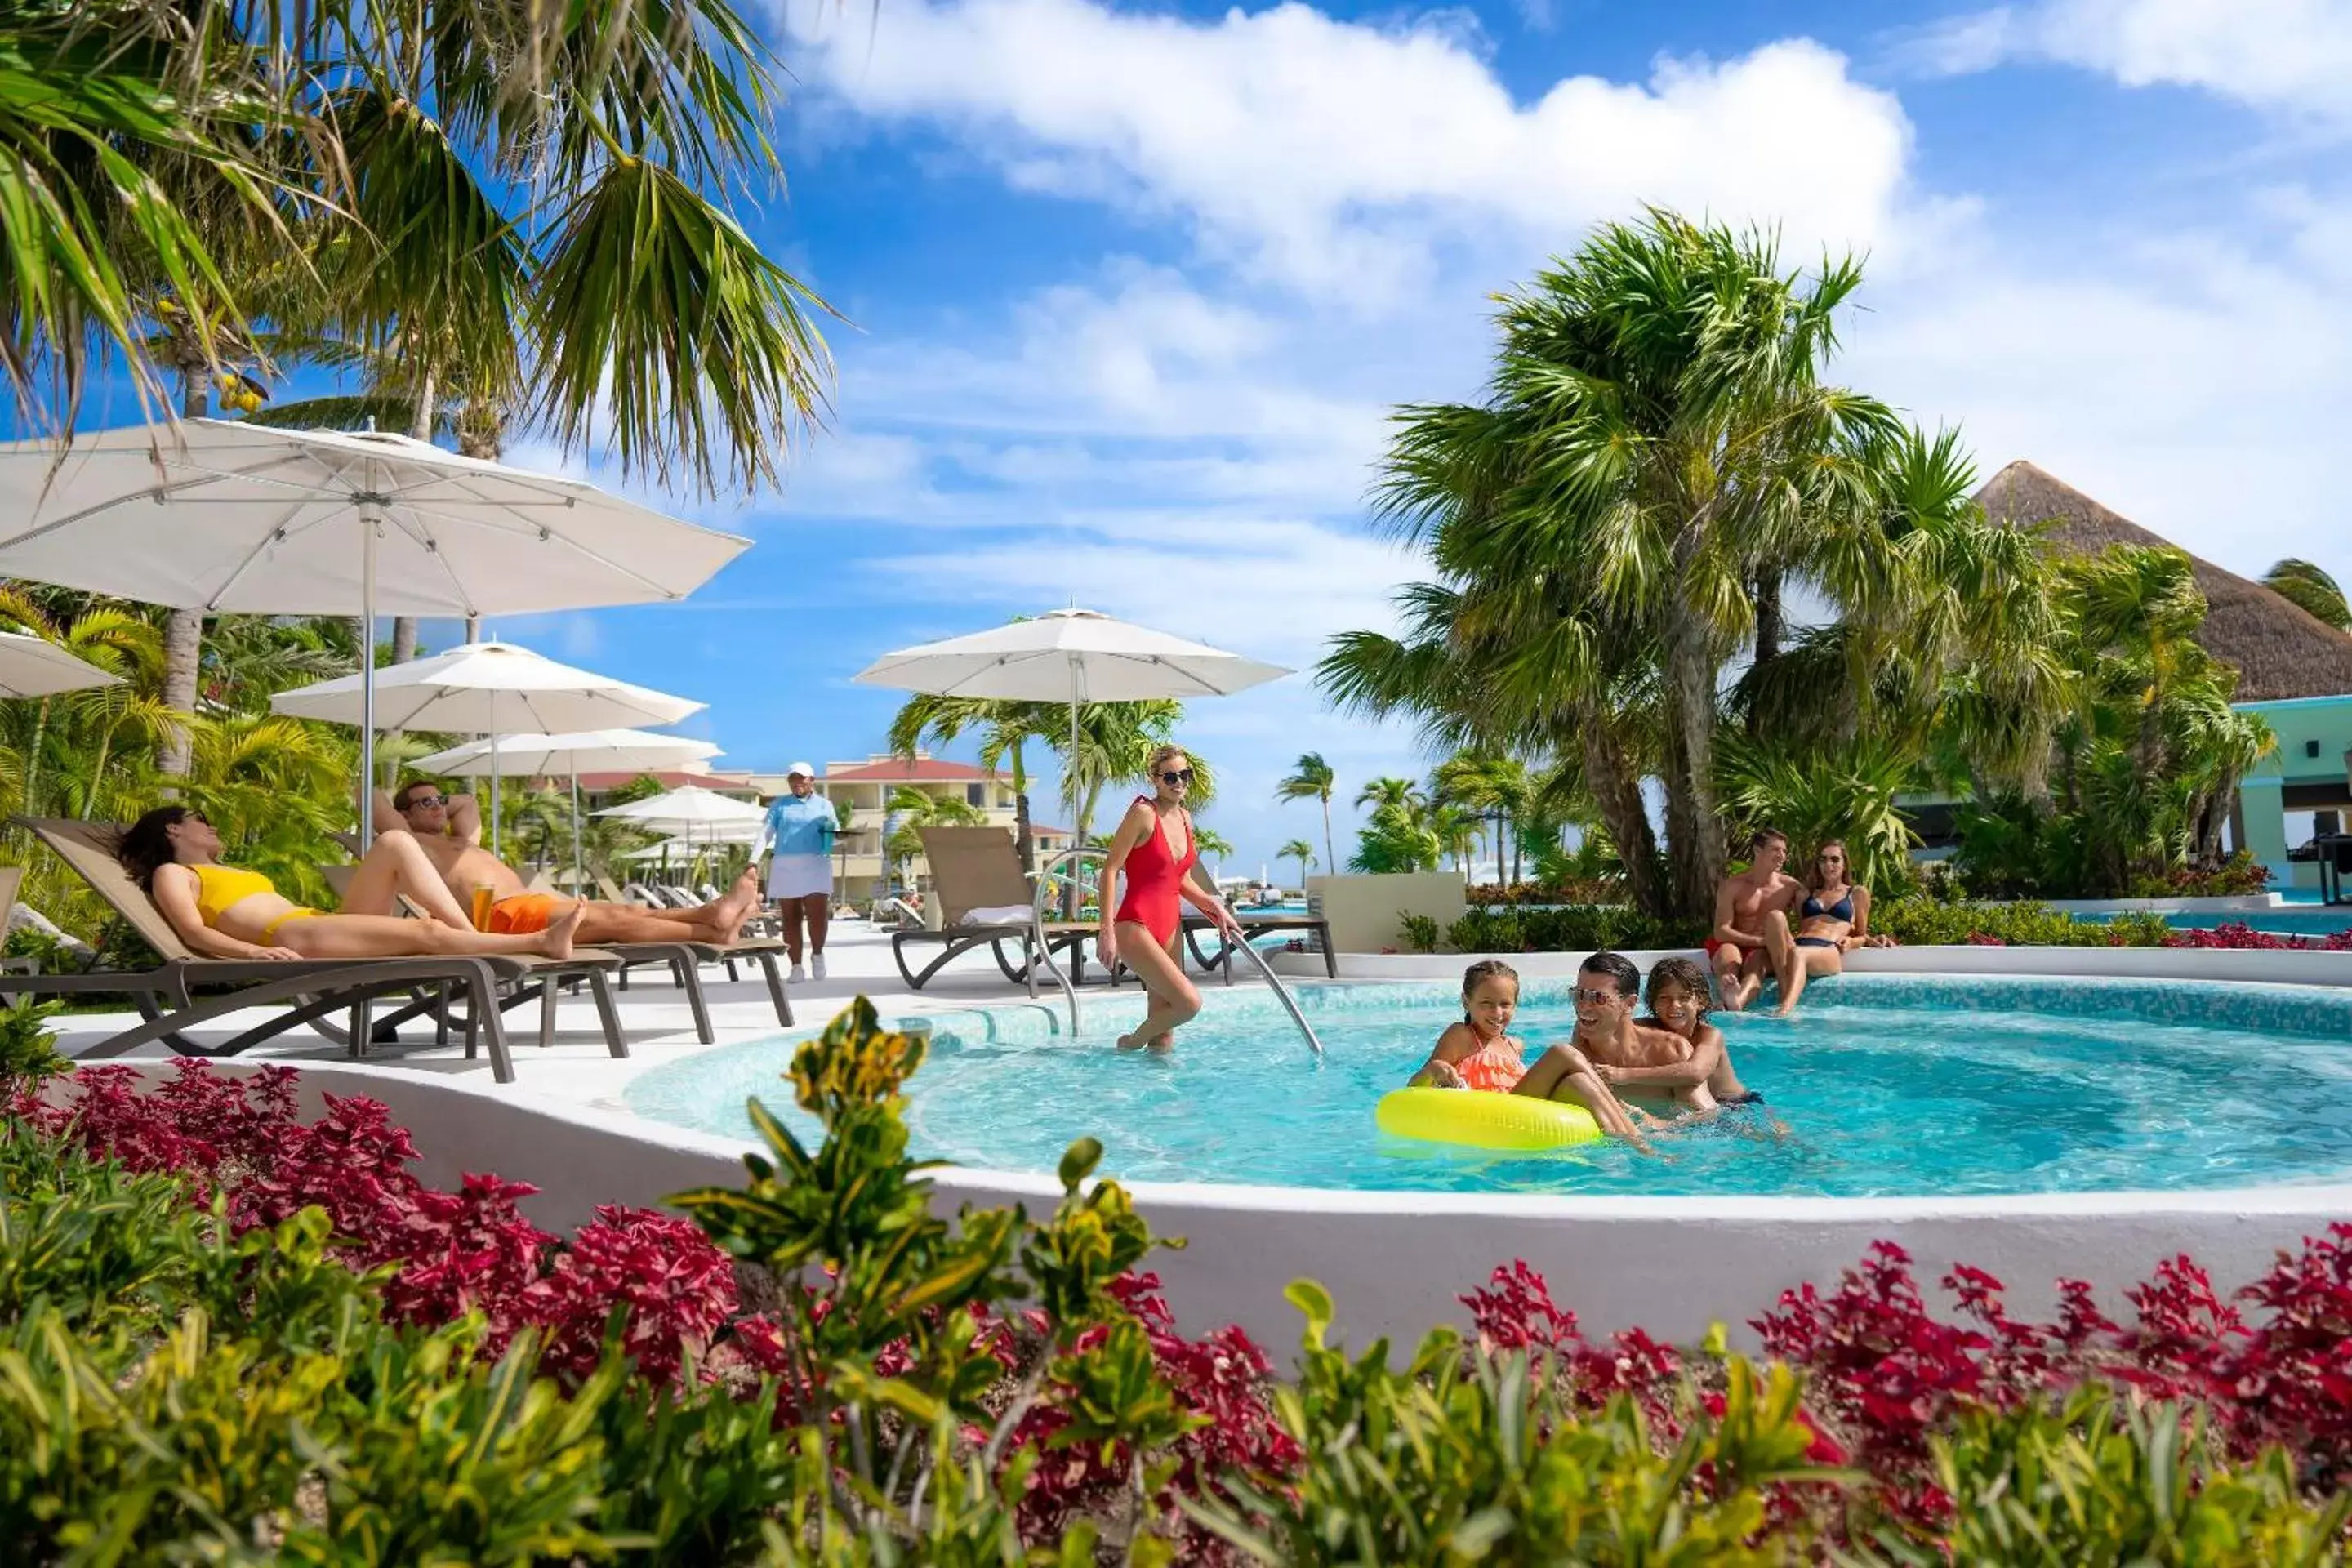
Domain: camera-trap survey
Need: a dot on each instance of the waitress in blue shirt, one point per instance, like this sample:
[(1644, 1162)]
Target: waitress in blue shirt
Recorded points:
[(800, 829)]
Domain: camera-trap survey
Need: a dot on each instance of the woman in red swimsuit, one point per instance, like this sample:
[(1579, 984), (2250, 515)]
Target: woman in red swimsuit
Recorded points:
[(1154, 846)]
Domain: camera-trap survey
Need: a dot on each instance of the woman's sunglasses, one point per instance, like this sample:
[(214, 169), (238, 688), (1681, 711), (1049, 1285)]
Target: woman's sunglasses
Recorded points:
[(1176, 776)]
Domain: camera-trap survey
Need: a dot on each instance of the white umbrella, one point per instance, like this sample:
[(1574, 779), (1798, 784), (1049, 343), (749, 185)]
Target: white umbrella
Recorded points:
[(688, 806), (327, 522), (538, 755), (702, 816), (1082, 656), (604, 750), (31, 667), (485, 688)]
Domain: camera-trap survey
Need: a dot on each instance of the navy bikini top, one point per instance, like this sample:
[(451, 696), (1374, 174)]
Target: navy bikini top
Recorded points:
[(1840, 910)]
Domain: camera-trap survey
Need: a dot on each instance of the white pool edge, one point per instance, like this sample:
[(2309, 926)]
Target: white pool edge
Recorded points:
[(1397, 1261)]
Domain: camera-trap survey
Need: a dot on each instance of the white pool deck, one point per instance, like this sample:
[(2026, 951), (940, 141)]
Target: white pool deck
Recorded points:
[(1395, 1261)]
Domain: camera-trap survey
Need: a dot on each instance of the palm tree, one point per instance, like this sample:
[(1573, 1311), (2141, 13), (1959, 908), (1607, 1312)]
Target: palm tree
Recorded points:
[(2313, 591), (1491, 786), (1298, 850), (114, 638), (1006, 730), (909, 811), (1210, 842), (1312, 779), (1115, 740), (1391, 794), (1657, 452), (549, 240)]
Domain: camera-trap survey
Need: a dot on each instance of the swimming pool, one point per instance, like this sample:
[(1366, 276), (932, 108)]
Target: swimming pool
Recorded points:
[(1885, 1085)]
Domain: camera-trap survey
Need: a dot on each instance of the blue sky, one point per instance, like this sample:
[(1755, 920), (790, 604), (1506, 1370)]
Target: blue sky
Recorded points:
[(1129, 292)]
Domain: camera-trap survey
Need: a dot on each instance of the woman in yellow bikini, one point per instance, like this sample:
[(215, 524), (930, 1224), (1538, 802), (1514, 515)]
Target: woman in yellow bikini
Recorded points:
[(223, 911)]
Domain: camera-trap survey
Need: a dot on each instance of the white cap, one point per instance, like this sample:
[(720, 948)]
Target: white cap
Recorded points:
[(800, 770)]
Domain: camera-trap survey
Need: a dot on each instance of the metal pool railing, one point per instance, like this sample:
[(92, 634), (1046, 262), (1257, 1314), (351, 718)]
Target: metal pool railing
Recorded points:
[(1077, 858)]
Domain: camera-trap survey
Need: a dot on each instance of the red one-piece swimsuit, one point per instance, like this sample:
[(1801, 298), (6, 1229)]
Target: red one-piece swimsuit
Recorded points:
[(1154, 878)]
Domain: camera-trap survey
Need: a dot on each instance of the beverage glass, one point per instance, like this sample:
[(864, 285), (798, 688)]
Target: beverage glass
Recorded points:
[(482, 901)]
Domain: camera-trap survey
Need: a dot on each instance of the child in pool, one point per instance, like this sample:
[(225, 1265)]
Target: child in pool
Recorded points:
[(1677, 993), (1479, 1052)]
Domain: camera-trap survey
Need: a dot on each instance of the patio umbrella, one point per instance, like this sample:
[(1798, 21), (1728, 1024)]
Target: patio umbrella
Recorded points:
[(1083, 656), (482, 688), (31, 667), (615, 750), (688, 807), (215, 515)]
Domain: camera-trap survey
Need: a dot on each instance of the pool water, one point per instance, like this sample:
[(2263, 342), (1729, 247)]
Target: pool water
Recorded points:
[(1881, 1085)]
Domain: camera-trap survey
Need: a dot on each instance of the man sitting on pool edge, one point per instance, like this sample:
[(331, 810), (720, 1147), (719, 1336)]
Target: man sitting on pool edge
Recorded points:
[(448, 828), (1744, 907)]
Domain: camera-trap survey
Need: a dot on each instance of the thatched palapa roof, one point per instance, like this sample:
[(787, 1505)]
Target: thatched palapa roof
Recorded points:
[(2277, 648)]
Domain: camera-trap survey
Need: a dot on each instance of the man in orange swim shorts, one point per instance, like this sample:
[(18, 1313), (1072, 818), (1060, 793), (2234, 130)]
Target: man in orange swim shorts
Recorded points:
[(448, 828)]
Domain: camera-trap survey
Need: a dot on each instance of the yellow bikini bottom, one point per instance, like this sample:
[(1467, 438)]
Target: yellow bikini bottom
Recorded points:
[(269, 932)]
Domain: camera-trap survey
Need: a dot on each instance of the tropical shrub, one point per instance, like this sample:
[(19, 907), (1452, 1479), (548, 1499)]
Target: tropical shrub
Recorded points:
[(1420, 931), (214, 1345), (1579, 928)]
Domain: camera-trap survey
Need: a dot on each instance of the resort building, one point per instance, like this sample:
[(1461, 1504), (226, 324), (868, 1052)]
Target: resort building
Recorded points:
[(2293, 670), (861, 870)]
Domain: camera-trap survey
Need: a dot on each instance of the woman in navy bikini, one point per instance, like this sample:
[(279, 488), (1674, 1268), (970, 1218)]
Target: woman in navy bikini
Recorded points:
[(1154, 847), (1832, 920)]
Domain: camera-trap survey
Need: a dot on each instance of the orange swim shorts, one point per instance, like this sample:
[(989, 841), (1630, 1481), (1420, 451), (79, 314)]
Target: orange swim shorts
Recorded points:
[(522, 913)]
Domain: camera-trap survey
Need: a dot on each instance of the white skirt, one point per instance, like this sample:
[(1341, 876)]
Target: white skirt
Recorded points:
[(799, 876)]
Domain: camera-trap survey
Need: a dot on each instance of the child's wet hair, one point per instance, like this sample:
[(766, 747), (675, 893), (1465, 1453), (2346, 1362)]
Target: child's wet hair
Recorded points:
[(1485, 969), (1684, 973)]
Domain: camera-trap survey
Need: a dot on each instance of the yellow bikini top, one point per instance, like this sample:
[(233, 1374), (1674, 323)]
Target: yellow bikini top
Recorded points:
[(221, 888)]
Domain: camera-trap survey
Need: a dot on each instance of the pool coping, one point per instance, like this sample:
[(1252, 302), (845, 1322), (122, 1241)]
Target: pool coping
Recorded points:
[(1396, 1261)]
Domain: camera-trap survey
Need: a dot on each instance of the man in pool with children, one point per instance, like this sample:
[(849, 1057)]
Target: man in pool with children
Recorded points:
[(1621, 1067)]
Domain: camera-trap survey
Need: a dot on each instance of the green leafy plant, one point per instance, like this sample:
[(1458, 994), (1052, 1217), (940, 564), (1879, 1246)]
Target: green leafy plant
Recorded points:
[(1420, 931)]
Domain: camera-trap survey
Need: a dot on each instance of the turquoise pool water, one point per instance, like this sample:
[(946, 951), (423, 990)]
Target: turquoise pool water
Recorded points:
[(2307, 920), (1883, 1085)]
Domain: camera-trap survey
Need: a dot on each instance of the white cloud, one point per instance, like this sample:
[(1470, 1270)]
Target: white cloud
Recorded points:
[(1345, 159), (2195, 383), (2294, 55)]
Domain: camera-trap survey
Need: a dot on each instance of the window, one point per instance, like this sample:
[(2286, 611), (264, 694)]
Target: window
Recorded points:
[(975, 794)]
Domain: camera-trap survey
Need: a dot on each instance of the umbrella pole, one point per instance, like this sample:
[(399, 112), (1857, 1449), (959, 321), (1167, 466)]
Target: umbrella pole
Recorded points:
[(578, 877), (368, 524), (491, 842)]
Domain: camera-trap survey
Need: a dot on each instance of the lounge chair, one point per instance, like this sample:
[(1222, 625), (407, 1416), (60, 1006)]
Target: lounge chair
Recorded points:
[(1256, 925), (684, 960), (308, 989), (545, 979), (977, 878)]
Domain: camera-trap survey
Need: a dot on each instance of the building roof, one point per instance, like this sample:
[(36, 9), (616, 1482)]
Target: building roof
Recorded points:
[(897, 770), (597, 784), (2278, 650)]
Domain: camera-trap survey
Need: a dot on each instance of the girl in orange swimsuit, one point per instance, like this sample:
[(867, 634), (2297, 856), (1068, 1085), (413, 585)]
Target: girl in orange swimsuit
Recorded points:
[(1479, 1052), (1142, 927), (223, 911)]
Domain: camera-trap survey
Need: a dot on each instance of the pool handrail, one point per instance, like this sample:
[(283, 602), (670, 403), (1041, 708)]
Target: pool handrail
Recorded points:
[(1078, 854)]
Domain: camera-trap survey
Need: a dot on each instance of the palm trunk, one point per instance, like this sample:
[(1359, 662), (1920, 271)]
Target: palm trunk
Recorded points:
[(183, 630), (420, 428), (1616, 786), (33, 758), (1771, 626), (1024, 842), (1696, 849), (1330, 862), (97, 773)]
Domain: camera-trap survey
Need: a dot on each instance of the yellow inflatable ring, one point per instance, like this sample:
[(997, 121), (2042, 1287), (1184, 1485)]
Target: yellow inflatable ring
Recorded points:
[(1483, 1121)]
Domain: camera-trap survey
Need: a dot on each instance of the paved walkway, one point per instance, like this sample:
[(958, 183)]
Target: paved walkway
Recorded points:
[(653, 1015)]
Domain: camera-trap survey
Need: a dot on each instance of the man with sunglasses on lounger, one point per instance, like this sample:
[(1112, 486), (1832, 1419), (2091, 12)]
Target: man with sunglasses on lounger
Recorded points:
[(448, 828)]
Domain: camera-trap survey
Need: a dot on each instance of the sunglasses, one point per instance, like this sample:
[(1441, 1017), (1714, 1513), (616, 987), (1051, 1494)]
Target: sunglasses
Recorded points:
[(1177, 777), (414, 801), (1595, 995)]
